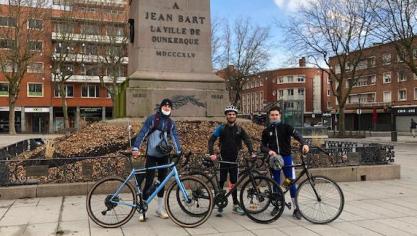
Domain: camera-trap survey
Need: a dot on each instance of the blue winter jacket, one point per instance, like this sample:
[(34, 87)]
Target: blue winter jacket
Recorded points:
[(155, 137)]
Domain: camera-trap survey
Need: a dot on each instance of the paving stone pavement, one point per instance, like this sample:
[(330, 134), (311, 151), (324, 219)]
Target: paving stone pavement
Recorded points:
[(371, 208)]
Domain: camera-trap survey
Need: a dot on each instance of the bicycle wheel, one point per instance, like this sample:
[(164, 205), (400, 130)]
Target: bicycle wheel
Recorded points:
[(201, 176), (198, 208), (205, 178), (262, 199), (107, 210), (324, 207)]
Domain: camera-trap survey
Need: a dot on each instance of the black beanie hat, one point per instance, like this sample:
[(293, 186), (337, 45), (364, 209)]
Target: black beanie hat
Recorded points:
[(165, 101)]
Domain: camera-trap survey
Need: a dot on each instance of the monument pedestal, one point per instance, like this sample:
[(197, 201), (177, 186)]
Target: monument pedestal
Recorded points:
[(193, 94), (170, 57)]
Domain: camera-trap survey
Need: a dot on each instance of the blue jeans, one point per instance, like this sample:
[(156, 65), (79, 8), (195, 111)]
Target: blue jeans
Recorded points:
[(289, 172)]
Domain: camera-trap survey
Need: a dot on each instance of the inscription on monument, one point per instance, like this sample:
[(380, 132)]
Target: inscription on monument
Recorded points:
[(164, 31)]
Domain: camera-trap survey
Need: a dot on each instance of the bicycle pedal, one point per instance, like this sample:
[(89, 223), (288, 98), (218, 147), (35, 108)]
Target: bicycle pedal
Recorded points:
[(288, 205)]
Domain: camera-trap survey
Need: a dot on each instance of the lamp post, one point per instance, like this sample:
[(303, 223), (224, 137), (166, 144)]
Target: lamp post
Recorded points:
[(393, 126)]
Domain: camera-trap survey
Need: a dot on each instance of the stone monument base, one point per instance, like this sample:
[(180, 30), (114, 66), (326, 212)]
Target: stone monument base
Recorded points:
[(193, 94)]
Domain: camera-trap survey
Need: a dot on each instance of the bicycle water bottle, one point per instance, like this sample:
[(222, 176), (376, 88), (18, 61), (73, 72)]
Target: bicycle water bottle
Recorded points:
[(287, 182)]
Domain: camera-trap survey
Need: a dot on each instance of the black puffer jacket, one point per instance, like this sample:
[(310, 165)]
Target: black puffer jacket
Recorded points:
[(279, 133)]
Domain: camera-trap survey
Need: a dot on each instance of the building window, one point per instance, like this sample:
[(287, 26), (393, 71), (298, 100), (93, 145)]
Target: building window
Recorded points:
[(280, 93), (415, 93), (7, 21), (387, 77), (35, 46), (300, 91), (63, 48), (328, 92), (300, 79), (290, 79), (63, 28), (35, 24), (290, 92), (366, 81), (7, 43), (280, 80), (90, 91), (362, 64), (115, 30), (90, 49), (35, 90), (371, 62), (90, 29), (387, 96), (402, 76), (386, 59), (402, 95), (35, 68), (69, 91), (4, 89)]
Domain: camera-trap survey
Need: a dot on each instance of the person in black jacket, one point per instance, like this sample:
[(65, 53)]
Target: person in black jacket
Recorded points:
[(413, 127), (231, 136), (276, 140)]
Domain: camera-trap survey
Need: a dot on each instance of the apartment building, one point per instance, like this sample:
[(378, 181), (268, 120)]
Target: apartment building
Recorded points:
[(294, 87), (89, 30), (384, 87)]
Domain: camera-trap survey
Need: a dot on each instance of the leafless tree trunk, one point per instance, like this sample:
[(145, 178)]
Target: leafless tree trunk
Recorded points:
[(397, 22), (63, 56), (112, 59), (244, 46), (327, 32), (17, 39)]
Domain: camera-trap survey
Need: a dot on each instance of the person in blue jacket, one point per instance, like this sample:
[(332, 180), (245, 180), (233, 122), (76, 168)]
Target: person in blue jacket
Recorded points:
[(157, 127)]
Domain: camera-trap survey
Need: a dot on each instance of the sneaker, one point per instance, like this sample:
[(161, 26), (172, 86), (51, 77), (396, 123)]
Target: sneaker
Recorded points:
[(162, 214), (219, 212), (296, 214), (141, 218), (238, 210)]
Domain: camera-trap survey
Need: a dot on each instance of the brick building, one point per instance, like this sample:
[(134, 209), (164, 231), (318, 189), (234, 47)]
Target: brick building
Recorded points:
[(38, 108), (299, 85), (384, 85)]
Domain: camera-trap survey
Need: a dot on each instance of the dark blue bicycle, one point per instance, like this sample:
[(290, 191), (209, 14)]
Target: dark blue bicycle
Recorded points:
[(112, 201)]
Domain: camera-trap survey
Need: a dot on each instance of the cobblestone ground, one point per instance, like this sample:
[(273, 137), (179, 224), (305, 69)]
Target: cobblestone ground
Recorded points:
[(371, 208)]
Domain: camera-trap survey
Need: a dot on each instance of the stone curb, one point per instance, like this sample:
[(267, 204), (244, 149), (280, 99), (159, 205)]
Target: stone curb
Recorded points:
[(339, 174)]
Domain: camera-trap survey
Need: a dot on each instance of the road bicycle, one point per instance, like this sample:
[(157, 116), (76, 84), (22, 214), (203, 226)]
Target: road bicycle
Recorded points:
[(112, 201), (319, 199), (259, 195)]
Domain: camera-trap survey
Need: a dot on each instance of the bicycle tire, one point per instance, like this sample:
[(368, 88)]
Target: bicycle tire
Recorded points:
[(173, 188), (308, 193), (275, 200), (95, 189)]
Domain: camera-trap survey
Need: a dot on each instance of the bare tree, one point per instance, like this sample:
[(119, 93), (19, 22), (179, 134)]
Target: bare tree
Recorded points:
[(244, 46), (397, 24), (21, 39), (332, 35), (64, 54), (112, 59)]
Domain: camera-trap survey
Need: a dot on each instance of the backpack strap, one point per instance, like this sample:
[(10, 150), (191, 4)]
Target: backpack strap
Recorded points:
[(157, 120)]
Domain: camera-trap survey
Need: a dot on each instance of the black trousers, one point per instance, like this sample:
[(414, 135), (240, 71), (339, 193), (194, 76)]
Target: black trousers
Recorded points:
[(150, 174), (233, 171)]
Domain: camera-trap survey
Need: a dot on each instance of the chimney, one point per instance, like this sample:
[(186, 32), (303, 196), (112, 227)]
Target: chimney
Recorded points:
[(302, 62)]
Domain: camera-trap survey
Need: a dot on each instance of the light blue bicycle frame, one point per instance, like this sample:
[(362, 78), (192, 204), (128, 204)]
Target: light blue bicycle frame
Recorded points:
[(134, 171)]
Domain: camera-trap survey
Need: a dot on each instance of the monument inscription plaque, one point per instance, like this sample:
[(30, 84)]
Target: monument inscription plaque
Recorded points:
[(171, 57)]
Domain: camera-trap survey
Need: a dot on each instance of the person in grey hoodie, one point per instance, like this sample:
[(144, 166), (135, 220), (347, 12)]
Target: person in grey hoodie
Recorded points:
[(157, 127)]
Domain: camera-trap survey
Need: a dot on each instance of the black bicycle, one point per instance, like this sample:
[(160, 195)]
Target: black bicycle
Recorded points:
[(259, 195), (319, 198)]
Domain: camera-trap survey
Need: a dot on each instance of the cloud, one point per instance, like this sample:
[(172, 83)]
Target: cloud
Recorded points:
[(290, 5)]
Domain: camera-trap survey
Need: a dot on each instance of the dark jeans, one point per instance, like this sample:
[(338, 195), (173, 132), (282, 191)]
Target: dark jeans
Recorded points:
[(150, 174)]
